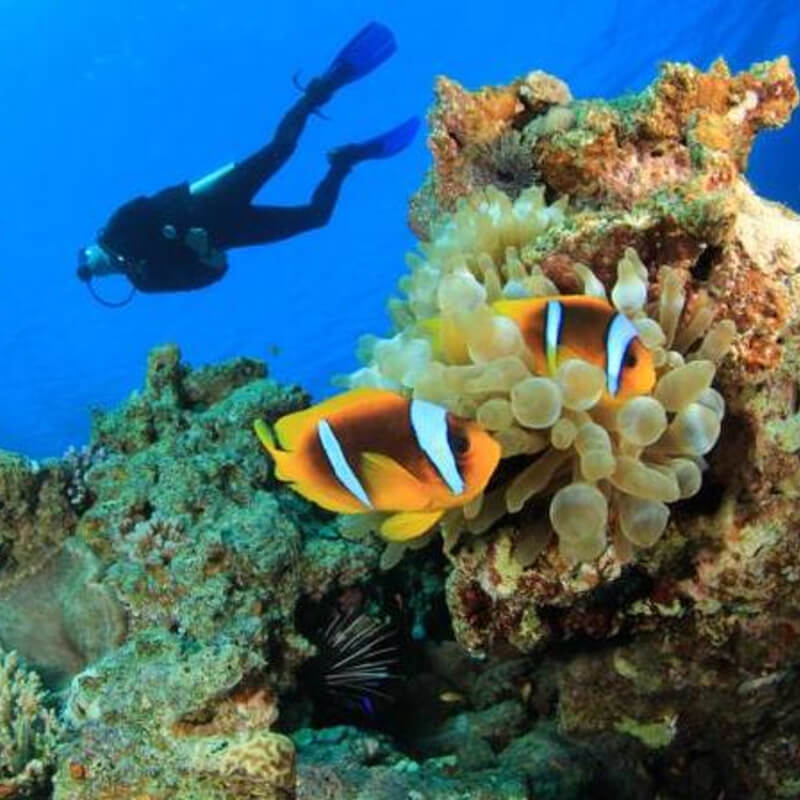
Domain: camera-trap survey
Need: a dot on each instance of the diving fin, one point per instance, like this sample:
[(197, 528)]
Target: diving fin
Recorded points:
[(366, 51), (383, 146)]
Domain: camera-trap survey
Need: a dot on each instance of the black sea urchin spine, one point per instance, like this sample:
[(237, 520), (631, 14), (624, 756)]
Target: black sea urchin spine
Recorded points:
[(358, 656)]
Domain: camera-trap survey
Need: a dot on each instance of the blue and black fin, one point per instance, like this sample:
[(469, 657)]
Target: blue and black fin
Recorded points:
[(366, 51), (384, 145)]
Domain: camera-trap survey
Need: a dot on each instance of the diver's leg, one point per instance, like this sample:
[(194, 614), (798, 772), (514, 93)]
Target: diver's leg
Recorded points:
[(264, 224), (366, 51), (241, 181)]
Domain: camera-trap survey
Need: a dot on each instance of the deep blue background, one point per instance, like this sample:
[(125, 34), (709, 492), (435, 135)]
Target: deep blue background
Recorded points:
[(101, 101)]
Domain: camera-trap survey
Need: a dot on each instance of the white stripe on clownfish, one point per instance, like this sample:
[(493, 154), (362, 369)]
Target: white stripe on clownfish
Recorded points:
[(338, 463), (554, 319), (621, 332), (429, 423)]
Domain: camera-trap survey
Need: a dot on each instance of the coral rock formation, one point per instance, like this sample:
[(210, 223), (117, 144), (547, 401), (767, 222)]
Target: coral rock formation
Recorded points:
[(187, 555), (689, 129), (661, 173)]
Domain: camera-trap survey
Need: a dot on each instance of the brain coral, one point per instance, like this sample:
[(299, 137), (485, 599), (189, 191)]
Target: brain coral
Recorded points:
[(602, 464)]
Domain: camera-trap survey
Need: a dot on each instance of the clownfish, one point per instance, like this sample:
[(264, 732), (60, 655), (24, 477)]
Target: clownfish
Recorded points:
[(374, 450), (558, 328)]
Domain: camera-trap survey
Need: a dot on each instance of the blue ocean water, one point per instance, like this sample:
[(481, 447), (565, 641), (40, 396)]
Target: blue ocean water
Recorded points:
[(104, 101)]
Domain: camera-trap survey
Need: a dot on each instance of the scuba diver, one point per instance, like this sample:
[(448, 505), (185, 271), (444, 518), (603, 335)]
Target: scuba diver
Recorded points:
[(177, 239)]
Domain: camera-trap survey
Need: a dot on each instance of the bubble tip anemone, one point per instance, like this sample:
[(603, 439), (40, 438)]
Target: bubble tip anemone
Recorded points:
[(606, 464)]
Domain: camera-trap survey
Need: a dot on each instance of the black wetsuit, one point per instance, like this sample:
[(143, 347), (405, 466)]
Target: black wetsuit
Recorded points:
[(148, 235)]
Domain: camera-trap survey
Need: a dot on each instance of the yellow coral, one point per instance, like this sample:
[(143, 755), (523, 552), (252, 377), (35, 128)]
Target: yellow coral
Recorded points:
[(261, 758), (601, 467)]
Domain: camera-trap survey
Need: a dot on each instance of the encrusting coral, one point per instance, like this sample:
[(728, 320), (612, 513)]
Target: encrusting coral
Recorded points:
[(690, 130), (29, 731)]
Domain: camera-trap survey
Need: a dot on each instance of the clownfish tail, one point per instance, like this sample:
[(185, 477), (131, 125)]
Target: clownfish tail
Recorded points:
[(265, 436), (281, 458)]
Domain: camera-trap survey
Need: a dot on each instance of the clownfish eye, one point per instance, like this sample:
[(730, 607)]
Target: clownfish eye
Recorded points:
[(630, 360), (459, 443)]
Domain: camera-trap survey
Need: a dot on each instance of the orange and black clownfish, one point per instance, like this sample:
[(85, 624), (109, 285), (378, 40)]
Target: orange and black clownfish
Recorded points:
[(374, 450), (558, 328)]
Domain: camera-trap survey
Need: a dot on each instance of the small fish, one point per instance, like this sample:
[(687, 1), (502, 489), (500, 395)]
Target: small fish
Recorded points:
[(451, 697), (558, 328), (578, 326), (374, 450)]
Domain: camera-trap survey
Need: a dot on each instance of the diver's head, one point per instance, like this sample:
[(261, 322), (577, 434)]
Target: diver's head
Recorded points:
[(96, 260)]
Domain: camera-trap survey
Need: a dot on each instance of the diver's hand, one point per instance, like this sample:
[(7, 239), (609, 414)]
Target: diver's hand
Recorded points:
[(197, 239), (216, 260)]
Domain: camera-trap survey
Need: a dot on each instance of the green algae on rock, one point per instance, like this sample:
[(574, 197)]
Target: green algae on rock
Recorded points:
[(35, 515), (164, 717), (346, 762), (207, 559)]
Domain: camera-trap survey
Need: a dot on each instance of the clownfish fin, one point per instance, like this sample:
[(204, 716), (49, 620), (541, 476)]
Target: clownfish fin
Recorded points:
[(409, 525), (341, 502), (447, 340), (389, 484), (289, 429)]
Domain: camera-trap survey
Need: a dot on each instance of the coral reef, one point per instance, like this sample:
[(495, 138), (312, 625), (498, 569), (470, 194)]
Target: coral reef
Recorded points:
[(29, 730), (690, 132), (345, 762), (595, 463), (170, 598), (35, 514), (648, 192), (161, 718), (79, 462), (174, 591)]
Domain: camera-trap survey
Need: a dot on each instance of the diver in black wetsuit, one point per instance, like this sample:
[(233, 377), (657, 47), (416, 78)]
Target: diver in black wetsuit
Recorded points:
[(177, 239)]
